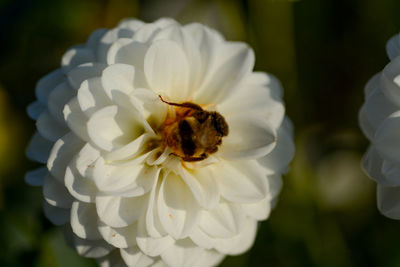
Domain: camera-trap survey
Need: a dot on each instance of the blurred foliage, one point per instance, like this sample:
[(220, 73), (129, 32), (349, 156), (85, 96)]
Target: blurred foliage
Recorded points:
[(323, 51)]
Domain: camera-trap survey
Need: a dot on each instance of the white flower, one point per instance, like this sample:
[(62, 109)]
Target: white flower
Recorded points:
[(380, 121), (134, 187)]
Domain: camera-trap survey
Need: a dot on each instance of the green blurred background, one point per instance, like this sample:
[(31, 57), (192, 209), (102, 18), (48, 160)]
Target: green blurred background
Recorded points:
[(323, 51)]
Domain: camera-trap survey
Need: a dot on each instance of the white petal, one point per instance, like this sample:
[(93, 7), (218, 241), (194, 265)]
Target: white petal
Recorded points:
[(113, 127), (149, 245), (127, 51), (60, 96), (372, 84), (257, 102), (61, 155), (130, 150), (167, 69), (153, 225), (94, 39), (76, 119), (119, 237), (56, 194), (233, 60), (86, 159), (92, 97), (241, 181), (391, 172), (386, 138), (35, 109), (389, 201), (365, 125), (92, 248), (84, 72), (47, 84), (249, 137), (36, 177), (242, 242), (184, 253), (393, 47), (260, 210), (49, 128), (120, 212), (57, 216), (39, 148), (209, 258), (187, 42), (378, 107), (202, 185), (225, 221), (128, 180), (76, 56), (84, 221), (81, 188), (390, 81), (177, 209), (134, 257), (372, 164), (278, 159)]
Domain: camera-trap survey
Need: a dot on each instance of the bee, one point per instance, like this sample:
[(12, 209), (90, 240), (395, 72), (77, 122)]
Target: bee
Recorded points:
[(193, 133)]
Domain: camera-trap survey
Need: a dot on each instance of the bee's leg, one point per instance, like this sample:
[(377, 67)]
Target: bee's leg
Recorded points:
[(192, 159), (185, 104)]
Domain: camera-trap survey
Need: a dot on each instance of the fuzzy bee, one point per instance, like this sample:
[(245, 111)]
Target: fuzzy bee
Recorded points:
[(193, 133)]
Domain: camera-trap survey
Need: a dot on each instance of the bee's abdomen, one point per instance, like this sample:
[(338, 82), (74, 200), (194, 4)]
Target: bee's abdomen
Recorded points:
[(186, 133)]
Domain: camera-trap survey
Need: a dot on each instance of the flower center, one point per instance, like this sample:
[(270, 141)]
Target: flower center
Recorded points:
[(191, 132)]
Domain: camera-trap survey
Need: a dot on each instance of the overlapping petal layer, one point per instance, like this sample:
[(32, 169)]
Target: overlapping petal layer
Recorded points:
[(380, 121)]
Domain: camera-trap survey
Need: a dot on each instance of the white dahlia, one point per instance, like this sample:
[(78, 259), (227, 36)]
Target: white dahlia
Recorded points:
[(380, 121), (163, 147)]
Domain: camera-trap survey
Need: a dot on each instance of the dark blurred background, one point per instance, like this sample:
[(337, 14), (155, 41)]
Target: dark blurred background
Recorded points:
[(323, 51)]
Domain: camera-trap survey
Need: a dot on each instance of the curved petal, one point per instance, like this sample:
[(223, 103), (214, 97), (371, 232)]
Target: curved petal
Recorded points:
[(390, 81), (56, 215), (128, 180), (83, 72), (202, 185), (36, 177), (248, 138), (229, 59), (178, 212), (60, 96), (389, 201), (113, 127), (76, 119), (225, 221), (393, 47), (75, 56), (278, 159), (151, 246), (80, 187), (35, 109), (127, 51), (39, 148), (62, 153), (119, 237), (92, 97), (47, 84), (184, 253), (92, 248), (84, 221), (387, 137), (50, 128), (120, 212), (56, 194), (134, 257), (167, 69), (258, 211), (241, 181)]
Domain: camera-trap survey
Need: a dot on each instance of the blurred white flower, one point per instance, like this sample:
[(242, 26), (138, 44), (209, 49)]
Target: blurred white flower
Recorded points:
[(380, 121), (162, 147)]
